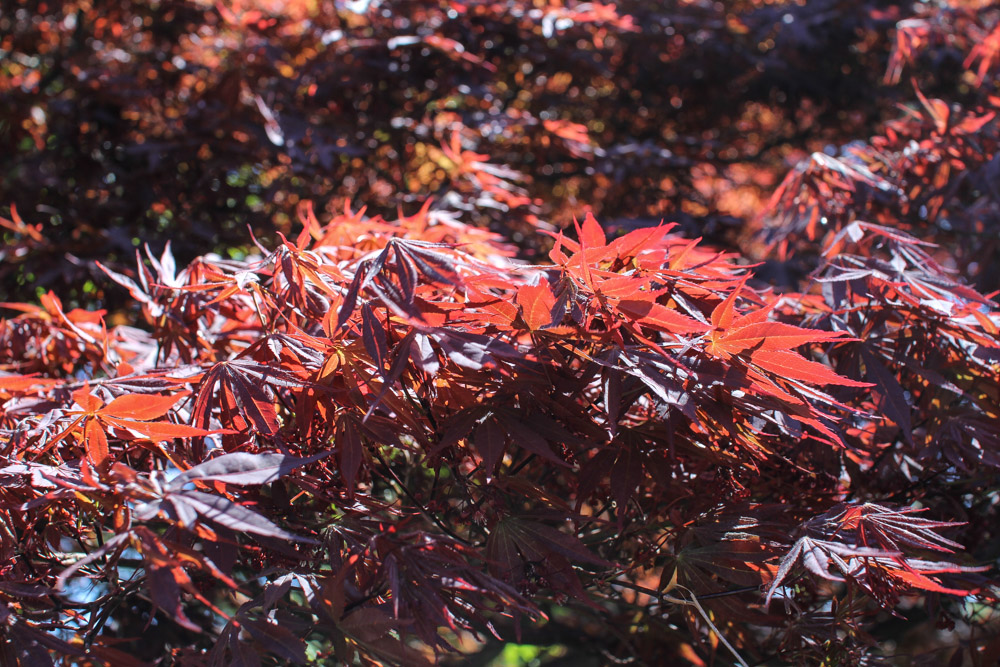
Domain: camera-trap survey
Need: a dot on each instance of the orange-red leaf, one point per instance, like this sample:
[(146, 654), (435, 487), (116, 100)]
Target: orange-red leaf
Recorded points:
[(766, 386), (536, 302), (765, 336), (160, 431), (622, 286), (141, 406), (86, 400), (793, 366), (16, 383), (97, 443), (640, 240), (722, 316), (651, 314), (753, 317), (591, 233), (916, 580)]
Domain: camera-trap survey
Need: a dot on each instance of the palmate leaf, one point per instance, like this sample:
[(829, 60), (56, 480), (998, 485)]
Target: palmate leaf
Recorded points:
[(122, 416), (395, 284), (770, 343), (517, 547), (244, 394), (765, 337), (188, 506), (629, 246), (867, 543), (132, 411), (890, 528), (735, 560), (432, 579), (726, 548), (817, 556)]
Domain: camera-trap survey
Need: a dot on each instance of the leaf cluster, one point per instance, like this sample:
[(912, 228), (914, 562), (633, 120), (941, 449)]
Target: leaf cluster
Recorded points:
[(376, 431)]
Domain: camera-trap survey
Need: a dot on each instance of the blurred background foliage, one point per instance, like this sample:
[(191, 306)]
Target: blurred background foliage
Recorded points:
[(129, 122)]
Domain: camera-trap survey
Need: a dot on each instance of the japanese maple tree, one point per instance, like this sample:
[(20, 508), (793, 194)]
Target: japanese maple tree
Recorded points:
[(499, 415)]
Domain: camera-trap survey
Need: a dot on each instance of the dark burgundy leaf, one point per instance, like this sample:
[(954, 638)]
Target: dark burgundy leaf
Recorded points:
[(890, 397), (277, 640), (350, 452), (490, 440), (166, 595), (234, 516), (626, 473)]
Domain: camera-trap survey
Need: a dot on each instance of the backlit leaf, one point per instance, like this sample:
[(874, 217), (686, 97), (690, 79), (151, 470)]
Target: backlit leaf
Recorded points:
[(97, 444), (661, 318), (537, 303), (792, 366), (765, 336)]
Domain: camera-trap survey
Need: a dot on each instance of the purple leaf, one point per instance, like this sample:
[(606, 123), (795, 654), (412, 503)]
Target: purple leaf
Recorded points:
[(889, 395), (243, 655), (490, 442), (277, 640), (527, 438), (166, 595), (350, 452), (243, 468), (423, 356), (816, 556), (374, 337), (350, 300), (625, 477), (232, 515)]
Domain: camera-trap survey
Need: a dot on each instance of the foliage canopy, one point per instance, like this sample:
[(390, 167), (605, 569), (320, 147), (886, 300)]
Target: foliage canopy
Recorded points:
[(504, 400)]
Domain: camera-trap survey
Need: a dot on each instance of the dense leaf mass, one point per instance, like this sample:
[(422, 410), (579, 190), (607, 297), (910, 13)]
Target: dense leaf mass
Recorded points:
[(497, 415)]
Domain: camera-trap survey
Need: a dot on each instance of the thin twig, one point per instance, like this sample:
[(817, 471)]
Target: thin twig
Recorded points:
[(420, 507), (693, 602)]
